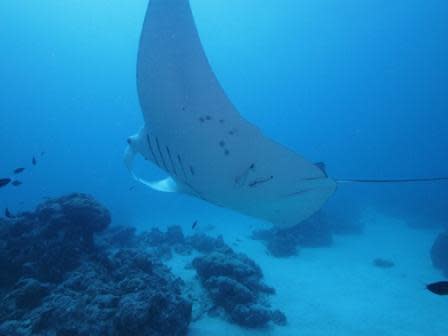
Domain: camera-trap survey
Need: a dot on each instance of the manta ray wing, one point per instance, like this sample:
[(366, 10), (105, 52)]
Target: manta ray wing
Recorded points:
[(194, 133)]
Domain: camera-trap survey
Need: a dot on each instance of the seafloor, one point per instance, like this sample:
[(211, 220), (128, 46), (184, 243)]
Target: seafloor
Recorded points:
[(66, 271), (337, 291)]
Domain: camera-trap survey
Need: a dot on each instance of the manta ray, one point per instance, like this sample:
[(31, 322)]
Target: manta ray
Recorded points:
[(194, 133)]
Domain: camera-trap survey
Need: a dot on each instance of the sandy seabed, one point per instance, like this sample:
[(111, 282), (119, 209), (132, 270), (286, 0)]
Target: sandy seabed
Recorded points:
[(337, 290)]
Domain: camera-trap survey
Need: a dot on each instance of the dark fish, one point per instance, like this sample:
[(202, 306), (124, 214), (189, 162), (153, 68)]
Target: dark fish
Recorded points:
[(194, 224), (439, 288), (42, 153), (16, 183), (8, 214), (132, 188), (34, 161), (4, 182), (18, 170), (383, 263)]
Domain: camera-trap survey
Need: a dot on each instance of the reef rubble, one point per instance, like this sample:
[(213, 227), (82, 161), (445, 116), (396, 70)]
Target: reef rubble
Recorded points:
[(56, 281), (234, 282), (316, 231), (67, 272)]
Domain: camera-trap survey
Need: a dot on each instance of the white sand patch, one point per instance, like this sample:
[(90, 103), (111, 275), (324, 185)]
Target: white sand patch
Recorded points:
[(337, 290)]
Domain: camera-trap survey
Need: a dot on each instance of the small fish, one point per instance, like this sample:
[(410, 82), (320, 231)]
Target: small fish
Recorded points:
[(131, 188), (42, 153), (34, 161), (4, 182), (195, 223), (8, 213), (18, 170), (383, 263), (439, 288), (16, 183)]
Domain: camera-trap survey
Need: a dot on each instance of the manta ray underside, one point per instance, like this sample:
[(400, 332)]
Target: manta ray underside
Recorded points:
[(194, 133)]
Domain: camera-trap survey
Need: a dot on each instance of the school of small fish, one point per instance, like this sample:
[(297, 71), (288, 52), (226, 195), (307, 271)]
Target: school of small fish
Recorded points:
[(4, 181)]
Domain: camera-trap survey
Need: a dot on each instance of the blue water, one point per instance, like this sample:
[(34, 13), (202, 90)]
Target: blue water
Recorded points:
[(359, 85)]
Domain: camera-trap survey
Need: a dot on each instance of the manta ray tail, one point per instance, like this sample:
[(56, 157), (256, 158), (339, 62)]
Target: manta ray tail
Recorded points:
[(410, 180)]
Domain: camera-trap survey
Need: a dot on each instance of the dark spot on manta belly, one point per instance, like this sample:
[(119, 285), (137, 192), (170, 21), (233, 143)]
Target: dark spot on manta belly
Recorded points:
[(233, 131)]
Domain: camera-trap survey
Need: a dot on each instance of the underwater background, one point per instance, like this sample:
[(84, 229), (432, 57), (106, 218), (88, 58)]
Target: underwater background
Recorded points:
[(360, 85)]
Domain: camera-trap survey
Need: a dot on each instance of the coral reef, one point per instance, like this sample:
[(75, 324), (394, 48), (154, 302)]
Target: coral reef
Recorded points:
[(439, 253), (234, 282), (121, 236), (51, 241), (66, 272), (205, 244), (56, 281), (162, 243), (314, 232), (317, 231)]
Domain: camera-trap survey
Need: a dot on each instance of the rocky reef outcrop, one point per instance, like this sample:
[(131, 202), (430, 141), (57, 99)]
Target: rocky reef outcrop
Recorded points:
[(66, 272), (317, 231), (314, 232), (234, 283), (51, 241), (56, 280)]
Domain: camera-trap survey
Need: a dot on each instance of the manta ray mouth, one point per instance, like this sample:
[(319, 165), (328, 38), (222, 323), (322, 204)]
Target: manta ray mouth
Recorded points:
[(297, 193)]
